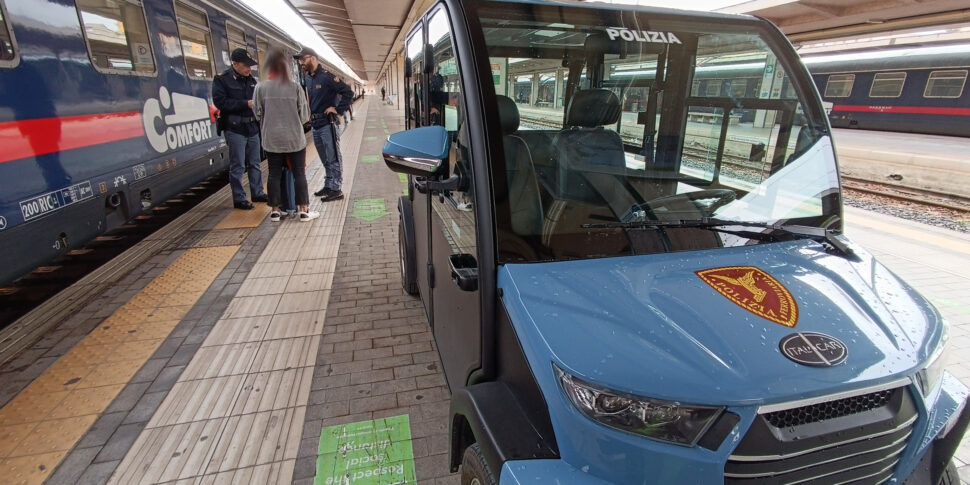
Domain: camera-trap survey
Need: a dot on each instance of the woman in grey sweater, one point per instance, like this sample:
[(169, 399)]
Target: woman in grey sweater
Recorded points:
[(280, 104)]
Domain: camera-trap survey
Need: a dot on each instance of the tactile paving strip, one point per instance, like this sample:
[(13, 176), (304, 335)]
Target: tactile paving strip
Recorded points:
[(41, 424), (236, 413)]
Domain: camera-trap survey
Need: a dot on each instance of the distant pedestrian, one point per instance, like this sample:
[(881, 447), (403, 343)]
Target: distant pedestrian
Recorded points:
[(323, 92), (232, 93), (281, 105), (383, 93)]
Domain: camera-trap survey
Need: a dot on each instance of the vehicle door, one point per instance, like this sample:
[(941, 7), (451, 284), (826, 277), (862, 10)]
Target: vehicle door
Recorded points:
[(414, 118), (453, 235)]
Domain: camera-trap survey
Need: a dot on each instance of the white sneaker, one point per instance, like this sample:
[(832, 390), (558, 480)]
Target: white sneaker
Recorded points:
[(308, 216), (465, 206), (274, 216)]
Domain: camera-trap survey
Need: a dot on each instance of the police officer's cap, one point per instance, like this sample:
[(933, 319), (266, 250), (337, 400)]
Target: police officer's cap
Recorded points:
[(306, 51), (240, 55)]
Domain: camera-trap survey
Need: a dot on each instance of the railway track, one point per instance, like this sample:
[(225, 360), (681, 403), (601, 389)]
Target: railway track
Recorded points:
[(908, 195), (29, 291)]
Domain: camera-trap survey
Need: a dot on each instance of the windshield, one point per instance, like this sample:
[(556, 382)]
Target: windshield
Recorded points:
[(619, 116)]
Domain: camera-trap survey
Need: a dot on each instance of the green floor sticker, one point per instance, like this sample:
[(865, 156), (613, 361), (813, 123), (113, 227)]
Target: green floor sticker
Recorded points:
[(374, 452), (369, 209), (370, 138), (370, 158), (403, 178)]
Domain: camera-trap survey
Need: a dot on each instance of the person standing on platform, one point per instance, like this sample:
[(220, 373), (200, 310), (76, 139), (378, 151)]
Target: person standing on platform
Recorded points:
[(232, 93), (323, 92), (281, 106), (382, 93)]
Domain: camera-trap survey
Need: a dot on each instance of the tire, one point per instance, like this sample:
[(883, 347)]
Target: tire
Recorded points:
[(474, 470), (405, 241), (950, 476)]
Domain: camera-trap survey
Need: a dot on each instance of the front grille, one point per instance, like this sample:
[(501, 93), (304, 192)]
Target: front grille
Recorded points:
[(851, 440), (828, 410)]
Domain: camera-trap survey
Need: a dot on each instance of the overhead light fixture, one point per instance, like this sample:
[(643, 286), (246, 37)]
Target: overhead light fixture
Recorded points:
[(876, 21)]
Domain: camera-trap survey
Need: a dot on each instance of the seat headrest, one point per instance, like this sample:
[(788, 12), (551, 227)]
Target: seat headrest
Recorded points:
[(508, 114), (593, 107)]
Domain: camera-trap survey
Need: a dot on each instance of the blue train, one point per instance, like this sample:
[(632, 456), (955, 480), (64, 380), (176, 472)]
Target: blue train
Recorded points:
[(915, 90), (105, 111), (919, 90)]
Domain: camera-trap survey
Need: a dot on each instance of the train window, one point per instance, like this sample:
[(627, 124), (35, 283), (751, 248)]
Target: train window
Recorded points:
[(117, 36), (196, 41), (236, 38), (887, 85), (945, 84), (7, 49), (261, 47), (839, 85)]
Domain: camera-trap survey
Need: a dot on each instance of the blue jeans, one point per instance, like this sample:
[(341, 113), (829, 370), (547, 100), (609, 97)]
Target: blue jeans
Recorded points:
[(328, 147), (244, 157)]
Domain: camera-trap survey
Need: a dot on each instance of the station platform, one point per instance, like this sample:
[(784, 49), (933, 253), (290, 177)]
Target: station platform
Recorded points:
[(233, 349)]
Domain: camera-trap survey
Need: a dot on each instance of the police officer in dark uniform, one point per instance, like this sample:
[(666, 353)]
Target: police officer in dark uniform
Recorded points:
[(328, 97), (232, 93)]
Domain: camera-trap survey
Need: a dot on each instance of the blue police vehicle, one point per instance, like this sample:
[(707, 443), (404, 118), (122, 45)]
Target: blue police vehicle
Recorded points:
[(654, 291)]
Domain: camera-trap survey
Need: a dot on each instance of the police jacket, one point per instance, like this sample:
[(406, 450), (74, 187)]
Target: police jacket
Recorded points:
[(323, 91), (231, 94)]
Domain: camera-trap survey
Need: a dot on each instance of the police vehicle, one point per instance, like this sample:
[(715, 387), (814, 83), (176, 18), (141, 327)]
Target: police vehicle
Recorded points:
[(662, 297)]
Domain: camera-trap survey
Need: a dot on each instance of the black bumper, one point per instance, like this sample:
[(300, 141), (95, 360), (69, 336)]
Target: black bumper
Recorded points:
[(931, 468)]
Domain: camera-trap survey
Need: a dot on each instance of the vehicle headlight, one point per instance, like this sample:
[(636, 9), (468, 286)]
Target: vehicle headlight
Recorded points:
[(929, 378), (667, 421)]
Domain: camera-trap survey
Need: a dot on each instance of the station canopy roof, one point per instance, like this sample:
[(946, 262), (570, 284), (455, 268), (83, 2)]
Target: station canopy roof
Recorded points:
[(365, 32)]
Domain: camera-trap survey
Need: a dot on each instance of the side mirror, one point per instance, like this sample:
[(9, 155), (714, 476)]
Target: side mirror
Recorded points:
[(419, 151)]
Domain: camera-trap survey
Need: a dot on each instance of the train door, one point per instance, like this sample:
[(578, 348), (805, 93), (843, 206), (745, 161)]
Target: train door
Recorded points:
[(454, 246)]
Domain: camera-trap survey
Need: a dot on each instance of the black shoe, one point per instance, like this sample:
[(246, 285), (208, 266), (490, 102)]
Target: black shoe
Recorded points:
[(332, 195), (261, 198), (321, 192), (244, 205)]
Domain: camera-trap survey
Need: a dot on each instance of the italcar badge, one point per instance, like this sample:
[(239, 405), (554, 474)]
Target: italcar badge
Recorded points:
[(814, 349), (755, 291)]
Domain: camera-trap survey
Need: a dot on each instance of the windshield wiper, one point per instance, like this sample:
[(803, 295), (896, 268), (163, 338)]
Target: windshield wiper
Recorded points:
[(825, 236)]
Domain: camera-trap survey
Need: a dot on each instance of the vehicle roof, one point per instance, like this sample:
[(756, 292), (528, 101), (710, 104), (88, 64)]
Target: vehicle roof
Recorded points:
[(636, 8)]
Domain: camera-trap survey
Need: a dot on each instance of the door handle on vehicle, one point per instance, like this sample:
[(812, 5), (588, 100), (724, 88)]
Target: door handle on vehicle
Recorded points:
[(455, 182), (464, 271)]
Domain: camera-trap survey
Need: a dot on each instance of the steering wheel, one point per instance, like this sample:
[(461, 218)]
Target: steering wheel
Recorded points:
[(718, 198)]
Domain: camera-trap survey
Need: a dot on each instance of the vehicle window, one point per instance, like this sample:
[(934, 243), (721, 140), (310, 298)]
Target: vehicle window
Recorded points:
[(196, 42), (887, 85), (945, 84), (261, 47), (456, 212), (117, 36), (6, 38), (839, 85), (414, 91), (236, 38), (679, 121)]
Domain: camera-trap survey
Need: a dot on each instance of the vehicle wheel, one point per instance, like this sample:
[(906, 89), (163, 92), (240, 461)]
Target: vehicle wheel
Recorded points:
[(950, 476), (474, 471), (405, 240)]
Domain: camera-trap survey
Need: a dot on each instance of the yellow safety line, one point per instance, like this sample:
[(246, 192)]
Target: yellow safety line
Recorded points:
[(913, 234), (44, 422)]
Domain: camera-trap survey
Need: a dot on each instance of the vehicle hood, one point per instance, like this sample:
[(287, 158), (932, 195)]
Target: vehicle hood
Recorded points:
[(651, 326)]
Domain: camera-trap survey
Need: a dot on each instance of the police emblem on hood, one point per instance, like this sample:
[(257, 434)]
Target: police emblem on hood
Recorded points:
[(755, 291), (813, 349)]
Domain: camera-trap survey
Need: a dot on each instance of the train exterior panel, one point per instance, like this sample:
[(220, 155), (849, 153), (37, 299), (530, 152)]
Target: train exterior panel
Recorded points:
[(916, 90), (91, 140)]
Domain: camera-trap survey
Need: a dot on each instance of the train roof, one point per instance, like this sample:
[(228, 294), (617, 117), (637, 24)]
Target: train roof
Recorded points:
[(935, 57)]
